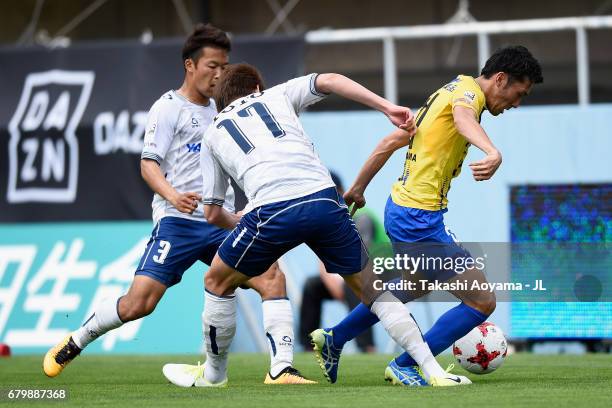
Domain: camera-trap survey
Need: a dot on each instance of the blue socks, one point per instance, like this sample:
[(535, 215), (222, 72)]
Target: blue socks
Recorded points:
[(355, 323), (451, 326), (360, 319)]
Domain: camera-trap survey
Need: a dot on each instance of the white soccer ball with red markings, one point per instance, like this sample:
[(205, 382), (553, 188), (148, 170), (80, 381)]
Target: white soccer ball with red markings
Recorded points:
[(482, 350)]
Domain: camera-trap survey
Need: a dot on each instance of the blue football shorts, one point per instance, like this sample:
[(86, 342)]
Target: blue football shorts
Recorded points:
[(320, 220), (422, 233), (175, 245)]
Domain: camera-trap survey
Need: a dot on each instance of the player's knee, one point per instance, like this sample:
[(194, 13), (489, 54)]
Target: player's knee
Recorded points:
[(217, 286), (485, 303), (211, 283), (278, 284), (272, 284), (133, 309)]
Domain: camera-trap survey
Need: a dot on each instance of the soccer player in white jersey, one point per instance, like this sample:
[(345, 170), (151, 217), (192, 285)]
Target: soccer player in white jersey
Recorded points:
[(170, 164), (257, 139)]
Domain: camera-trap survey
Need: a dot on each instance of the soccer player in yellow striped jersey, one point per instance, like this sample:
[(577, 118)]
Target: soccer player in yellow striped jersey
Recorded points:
[(436, 152), (448, 123)]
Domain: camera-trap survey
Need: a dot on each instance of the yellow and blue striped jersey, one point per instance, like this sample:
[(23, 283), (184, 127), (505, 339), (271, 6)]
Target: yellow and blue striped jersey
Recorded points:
[(437, 150)]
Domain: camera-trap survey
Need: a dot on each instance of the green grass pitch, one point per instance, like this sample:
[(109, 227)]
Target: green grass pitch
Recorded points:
[(525, 380)]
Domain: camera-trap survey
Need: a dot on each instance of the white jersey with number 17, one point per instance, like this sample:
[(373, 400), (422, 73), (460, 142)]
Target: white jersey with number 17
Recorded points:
[(259, 141)]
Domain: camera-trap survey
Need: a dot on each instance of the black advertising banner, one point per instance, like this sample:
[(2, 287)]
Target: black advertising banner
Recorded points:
[(72, 122)]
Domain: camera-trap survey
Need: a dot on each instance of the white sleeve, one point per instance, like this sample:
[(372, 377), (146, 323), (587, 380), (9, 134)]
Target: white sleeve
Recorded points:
[(302, 92), (230, 199), (161, 125), (215, 181)]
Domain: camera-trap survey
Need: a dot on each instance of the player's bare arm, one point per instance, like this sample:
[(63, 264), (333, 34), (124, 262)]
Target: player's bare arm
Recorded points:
[(220, 217), (151, 173), (381, 154), (468, 126), (340, 85)]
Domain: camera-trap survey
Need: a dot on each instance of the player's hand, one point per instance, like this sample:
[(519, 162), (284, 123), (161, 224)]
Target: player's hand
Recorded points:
[(411, 127), (355, 198), (400, 116), (186, 202), (485, 169)]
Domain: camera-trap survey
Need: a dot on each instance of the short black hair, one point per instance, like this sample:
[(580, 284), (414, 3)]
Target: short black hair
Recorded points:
[(517, 62), (237, 80), (204, 35)]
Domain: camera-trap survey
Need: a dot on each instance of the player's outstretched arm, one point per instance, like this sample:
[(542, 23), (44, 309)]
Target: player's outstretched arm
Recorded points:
[(220, 217), (153, 176), (347, 88), (468, 126), (385, 148)]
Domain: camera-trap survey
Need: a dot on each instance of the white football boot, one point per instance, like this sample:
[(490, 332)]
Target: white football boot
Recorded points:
[(187, 375), (449, 380)]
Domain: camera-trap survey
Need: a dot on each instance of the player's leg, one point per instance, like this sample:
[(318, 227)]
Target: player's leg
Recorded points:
[(262, 237), (276, 308), (219, 318), (110, 313), (449, 327), (401, 326), (474, 309), (404, 330), (241, 251), (361, 317), (277, 314), (141, 299), (401, 228), (219, 326), (340, 248), (277, 321), (365, 340), (476, 306), (255, 256), (359, 321), (164, 260)]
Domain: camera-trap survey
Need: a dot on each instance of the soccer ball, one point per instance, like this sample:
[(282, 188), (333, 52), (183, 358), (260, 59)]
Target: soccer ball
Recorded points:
[(482, 350)]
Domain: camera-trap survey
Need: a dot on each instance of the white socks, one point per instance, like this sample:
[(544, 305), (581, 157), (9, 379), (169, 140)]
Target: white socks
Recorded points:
[(278, 327), (219, 323), (104, 318), (400, 325)]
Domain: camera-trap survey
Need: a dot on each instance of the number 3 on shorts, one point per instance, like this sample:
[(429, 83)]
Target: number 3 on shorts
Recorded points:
[(164, 248)]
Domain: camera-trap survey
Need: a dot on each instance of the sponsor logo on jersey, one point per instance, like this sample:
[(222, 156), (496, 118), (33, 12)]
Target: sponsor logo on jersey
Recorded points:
[(43, 149), (469, 95), (193, 147), (151, 129)]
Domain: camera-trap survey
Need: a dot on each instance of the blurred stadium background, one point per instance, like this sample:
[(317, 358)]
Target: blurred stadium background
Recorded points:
[(75, 214)]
